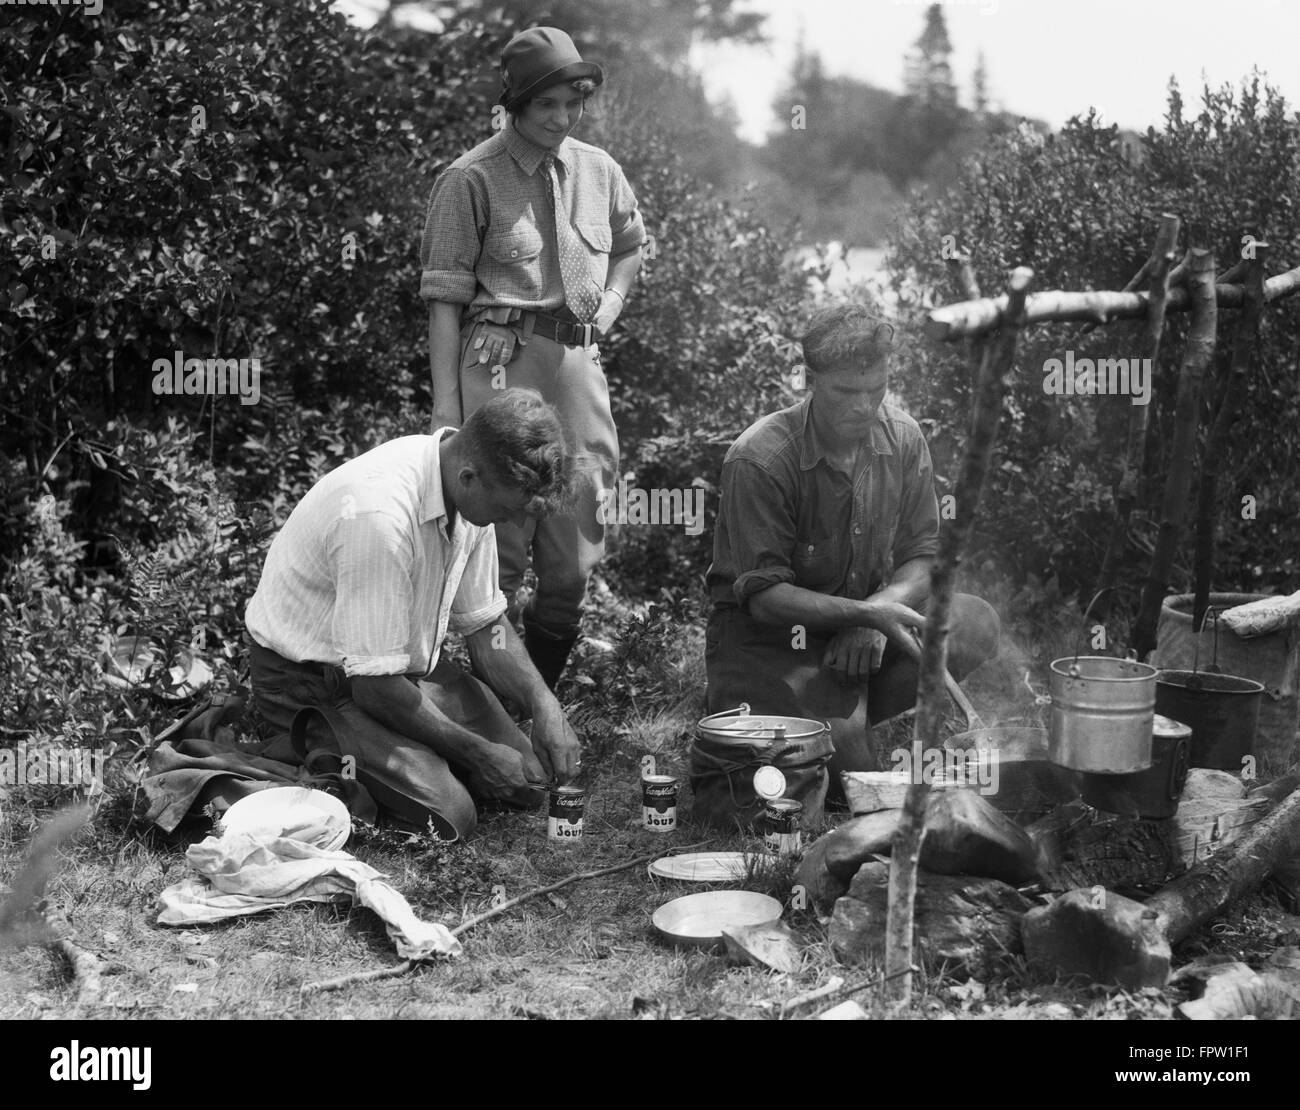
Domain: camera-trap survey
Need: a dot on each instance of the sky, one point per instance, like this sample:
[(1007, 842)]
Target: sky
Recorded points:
[(1048, 59)]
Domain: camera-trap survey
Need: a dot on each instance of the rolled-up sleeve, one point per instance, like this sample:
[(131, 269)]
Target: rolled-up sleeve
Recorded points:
[(452, 240), (625, 223), (918, 525), (373, 593), (755, 530), (479, 599)]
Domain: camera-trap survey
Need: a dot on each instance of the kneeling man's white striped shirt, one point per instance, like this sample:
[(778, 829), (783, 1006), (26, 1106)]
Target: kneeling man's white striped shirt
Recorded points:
[(364, 575)]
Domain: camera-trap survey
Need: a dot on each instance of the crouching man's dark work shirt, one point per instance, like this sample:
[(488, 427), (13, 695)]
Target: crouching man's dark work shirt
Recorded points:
[(787, 514)]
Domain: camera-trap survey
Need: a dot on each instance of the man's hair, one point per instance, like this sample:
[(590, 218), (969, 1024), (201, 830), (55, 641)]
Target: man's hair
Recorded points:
[(517, 440), (584, 85), (845, 337)]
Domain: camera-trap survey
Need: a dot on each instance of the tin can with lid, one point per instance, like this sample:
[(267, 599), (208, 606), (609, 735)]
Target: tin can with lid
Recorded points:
[(564, 823), (781, 834)]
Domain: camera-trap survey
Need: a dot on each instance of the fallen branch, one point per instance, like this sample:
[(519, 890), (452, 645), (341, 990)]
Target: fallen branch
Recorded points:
[(86, 966), (409, 965), (837, 988), (1233, 871)]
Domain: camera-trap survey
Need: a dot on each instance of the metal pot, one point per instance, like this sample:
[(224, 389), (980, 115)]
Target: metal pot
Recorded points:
[(1155, 791), (1102, 710), (1029, 784)]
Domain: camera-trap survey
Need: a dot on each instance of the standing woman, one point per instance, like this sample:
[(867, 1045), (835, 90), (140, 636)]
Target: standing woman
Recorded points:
[(531, 243)]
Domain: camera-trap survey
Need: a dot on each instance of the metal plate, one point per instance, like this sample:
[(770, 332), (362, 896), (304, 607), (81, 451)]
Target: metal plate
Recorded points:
[(697, 920), (703, 867)]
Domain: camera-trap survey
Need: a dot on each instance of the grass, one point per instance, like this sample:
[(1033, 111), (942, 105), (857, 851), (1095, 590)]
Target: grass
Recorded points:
[(588, 951)]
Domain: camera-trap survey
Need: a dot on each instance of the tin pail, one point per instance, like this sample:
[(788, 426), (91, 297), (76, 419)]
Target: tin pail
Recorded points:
[(1102, 710)]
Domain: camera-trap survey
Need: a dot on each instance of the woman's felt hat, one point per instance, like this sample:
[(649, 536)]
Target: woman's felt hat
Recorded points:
[(538, 58)]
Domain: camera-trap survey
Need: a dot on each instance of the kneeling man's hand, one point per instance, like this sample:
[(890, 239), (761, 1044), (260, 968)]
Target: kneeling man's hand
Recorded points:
[(555, 743), (855, 653), (500, 771)]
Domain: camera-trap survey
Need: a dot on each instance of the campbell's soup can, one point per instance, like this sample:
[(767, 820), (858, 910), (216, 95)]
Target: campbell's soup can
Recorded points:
[(781, 826), (567, 806), (659, 803)]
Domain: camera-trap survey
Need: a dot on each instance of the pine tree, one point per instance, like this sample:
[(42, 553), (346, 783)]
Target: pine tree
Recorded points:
[(927, 73), (980, 86)]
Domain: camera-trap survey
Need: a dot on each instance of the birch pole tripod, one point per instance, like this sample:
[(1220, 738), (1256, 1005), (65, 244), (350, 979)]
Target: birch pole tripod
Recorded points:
[(992, 326)]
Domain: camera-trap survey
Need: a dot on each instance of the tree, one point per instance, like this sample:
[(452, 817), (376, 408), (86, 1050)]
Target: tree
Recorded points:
[(1080, 207), (927, 72), (979, 86)]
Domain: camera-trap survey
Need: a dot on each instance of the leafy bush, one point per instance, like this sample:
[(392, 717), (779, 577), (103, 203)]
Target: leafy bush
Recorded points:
[(1081, 208)]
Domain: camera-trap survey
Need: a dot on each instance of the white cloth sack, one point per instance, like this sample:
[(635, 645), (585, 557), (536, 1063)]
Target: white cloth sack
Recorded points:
[(252, 870)]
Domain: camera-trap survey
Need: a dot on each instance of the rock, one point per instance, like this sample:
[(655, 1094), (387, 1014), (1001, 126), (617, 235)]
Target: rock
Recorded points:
[(773, 944), (1233, 991), (966, 835), (829, 864), (1100, 935), (965, 922), (1206, 782)]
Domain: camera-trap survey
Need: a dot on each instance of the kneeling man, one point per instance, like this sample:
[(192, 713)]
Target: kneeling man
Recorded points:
[(379, 559), (826, 532)]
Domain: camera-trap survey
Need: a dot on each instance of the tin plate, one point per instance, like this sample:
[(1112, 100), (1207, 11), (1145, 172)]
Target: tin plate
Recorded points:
[(697, 920), (704, 867)]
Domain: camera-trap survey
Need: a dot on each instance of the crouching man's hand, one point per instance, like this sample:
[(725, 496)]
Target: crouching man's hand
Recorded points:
[(855, 653), (501, 772), (555, 742)]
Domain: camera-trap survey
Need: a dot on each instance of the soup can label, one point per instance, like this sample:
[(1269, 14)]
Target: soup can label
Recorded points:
[(659, 803), (781, 826), (567, 806)]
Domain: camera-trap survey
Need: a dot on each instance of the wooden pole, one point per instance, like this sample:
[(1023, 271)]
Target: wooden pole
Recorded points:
[(962, 275), (906, 851), (957, 321), (1157, 270), (1196, 357), (1243, 347)]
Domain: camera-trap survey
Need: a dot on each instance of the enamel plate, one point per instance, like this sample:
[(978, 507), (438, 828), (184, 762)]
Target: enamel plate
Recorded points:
[(702, 867)]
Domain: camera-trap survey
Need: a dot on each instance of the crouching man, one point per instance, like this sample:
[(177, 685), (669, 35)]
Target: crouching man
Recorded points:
[(375, 564), (826, 531)]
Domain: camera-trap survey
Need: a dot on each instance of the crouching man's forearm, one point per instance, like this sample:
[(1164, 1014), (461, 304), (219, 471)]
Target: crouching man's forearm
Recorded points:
[(502, 661), (494, 770)]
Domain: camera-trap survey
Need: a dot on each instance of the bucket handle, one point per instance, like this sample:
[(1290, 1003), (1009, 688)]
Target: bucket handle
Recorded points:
[(742, 710), (1212, 613), (1083, 623)]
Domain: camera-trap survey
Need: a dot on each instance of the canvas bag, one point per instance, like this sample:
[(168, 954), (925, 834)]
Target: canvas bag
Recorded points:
[(728, 748)]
